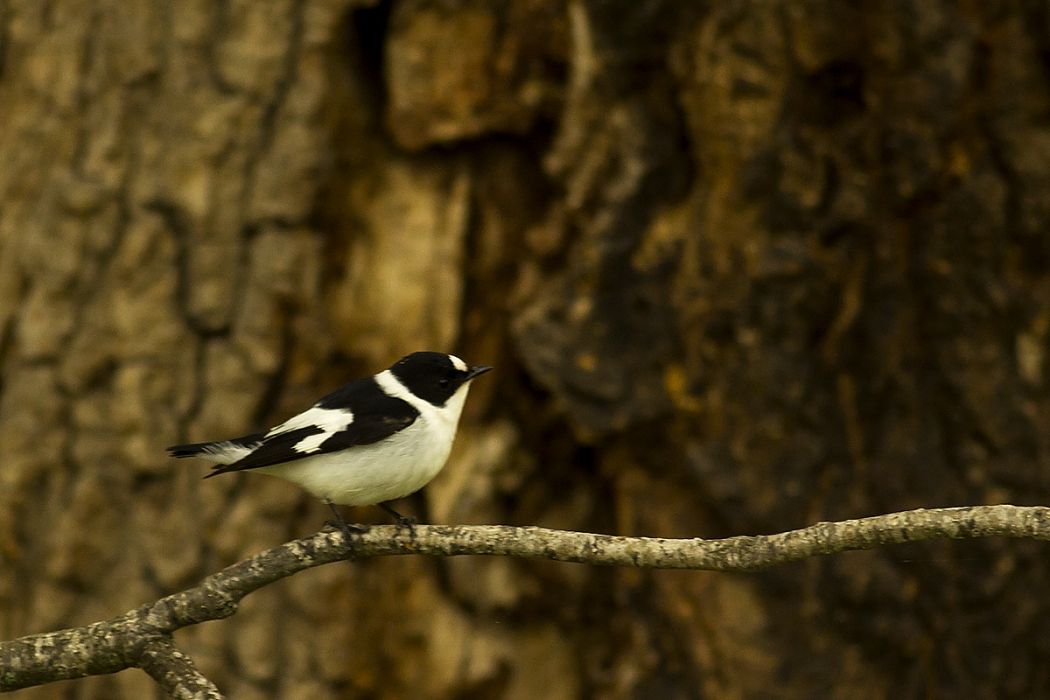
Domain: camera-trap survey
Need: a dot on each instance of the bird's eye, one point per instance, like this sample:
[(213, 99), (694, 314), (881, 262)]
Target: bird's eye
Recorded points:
[(443, 382)]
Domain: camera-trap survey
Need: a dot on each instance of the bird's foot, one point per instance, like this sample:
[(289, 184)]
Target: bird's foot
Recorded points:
[(348, 529), (406, 522)]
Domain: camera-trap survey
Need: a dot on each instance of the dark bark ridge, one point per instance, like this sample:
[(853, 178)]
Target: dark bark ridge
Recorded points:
[(142, 638)]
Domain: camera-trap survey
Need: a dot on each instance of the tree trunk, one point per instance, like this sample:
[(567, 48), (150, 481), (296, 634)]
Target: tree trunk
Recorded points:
[(741, 267)]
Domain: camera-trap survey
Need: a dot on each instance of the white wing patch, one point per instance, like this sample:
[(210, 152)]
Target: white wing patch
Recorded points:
[(330, 420), (311, 443), (457, 363)]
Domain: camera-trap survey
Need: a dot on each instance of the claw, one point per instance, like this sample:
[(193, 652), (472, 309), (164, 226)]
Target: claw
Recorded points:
[(406, 522), (346, 528)]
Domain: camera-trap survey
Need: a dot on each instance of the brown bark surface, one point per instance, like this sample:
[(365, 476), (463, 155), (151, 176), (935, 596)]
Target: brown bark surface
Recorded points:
[(741, 266)]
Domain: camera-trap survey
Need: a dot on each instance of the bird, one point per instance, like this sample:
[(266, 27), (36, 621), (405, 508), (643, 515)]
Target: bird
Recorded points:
[(369, 442)]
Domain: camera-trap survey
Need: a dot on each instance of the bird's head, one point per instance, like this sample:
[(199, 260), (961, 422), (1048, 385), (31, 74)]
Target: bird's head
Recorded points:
[(435, 376)]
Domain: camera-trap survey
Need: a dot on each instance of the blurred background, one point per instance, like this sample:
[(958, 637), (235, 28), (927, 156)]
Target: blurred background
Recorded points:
[(741, 266)]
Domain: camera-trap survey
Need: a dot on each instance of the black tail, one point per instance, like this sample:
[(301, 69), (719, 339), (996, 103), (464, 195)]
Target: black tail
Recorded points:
[(222, 452), (190, 450)]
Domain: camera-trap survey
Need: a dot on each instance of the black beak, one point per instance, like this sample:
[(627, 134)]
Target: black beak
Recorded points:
[(477, 371)]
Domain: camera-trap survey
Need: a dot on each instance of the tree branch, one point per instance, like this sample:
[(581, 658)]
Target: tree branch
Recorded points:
[(142, 637), (175, 672)]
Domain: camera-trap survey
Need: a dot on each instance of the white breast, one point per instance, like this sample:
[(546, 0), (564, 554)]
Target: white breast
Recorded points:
[(386, 470)]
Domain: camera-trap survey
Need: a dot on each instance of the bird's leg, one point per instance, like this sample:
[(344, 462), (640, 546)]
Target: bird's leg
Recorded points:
[(347, 529), (406, 521)]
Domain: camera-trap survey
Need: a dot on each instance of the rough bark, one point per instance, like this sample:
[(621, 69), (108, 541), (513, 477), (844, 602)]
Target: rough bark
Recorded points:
[(741, 266)]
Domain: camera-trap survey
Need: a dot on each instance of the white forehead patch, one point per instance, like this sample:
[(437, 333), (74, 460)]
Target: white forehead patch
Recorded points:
[(458, 363)]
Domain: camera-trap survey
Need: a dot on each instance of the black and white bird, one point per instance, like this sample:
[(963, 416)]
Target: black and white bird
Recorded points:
[(371, 441)]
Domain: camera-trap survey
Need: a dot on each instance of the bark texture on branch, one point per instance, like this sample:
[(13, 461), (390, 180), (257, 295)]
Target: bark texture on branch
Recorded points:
[(175, 672), (104, 646)]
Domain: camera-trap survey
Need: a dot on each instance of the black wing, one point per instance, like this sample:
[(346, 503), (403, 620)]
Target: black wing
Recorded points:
[(376, 416)]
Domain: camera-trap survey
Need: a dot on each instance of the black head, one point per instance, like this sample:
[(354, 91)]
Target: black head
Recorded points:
[(434, 376)]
